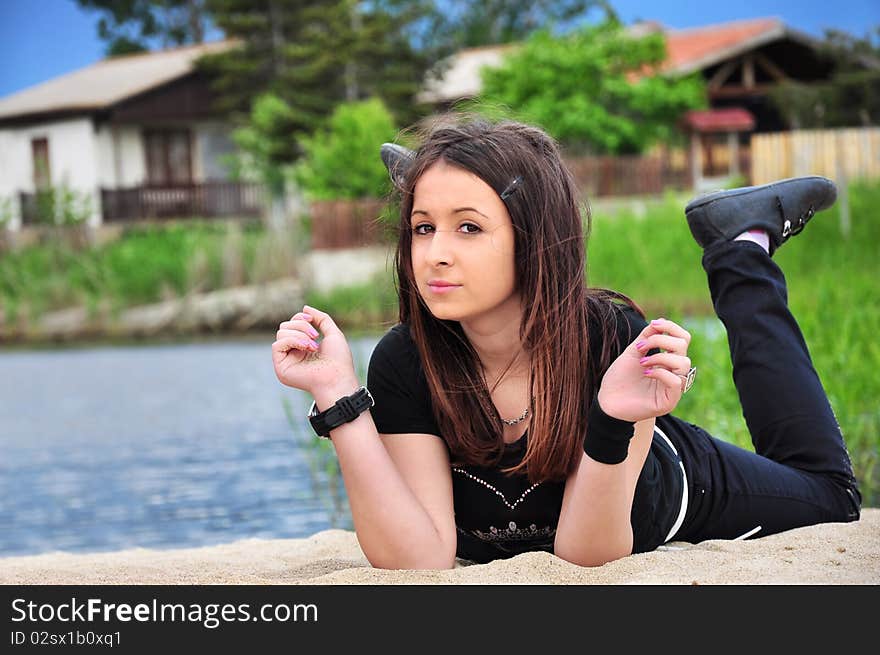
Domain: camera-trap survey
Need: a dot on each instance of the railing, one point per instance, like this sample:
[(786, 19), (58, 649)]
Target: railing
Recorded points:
[(204, 200), (348, 223)]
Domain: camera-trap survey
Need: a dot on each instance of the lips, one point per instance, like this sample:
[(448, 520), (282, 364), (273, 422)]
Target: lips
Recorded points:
[(442, 286)]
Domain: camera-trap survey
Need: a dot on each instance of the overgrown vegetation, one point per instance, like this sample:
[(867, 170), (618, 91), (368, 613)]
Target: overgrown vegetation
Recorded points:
[(146, 265)]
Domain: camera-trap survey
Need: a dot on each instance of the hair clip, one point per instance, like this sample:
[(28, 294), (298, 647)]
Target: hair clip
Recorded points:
[(397, 160), (512, 187)]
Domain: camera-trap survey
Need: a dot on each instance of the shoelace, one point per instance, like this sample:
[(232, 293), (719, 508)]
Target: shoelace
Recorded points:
[(788, 231)]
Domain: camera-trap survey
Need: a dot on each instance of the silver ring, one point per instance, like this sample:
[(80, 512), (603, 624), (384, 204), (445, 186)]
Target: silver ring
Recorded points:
[(687, 381)]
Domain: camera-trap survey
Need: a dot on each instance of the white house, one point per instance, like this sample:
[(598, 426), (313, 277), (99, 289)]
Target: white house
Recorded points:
[(137, 133)]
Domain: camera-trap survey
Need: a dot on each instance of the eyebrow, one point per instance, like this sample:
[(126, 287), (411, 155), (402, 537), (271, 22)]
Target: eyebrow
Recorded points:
[(454, 211)]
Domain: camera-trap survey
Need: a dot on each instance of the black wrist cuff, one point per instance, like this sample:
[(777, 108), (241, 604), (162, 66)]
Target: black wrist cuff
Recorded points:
[(607, 439)]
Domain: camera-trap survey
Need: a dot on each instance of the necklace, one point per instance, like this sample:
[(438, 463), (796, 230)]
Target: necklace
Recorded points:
[(519, 419)]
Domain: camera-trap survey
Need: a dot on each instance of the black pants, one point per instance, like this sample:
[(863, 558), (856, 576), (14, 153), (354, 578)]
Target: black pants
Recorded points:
[(800, 473)]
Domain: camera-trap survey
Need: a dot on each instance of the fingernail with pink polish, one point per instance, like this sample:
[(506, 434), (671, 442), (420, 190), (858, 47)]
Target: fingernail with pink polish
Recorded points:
[(312, 332), (640, 345), (313, 344), (643, 360)]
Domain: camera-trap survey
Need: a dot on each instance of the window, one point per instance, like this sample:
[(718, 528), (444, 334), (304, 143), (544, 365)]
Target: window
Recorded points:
[(169, 160), (40, 154)]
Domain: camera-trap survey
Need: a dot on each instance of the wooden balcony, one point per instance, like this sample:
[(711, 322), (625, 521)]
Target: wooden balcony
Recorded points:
[(204, 200)]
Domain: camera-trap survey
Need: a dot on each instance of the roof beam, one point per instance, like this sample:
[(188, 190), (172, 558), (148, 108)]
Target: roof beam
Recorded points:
[(770, 68), (748, 71), (723, 74)]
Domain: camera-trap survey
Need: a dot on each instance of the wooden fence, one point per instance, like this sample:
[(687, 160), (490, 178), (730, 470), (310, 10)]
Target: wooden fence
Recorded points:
[(348, 223), (632, 175), (340, 224), (839, 154)]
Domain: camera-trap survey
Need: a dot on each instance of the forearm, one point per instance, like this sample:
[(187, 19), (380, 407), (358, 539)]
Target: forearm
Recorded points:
[(393, 529), (594, 525)]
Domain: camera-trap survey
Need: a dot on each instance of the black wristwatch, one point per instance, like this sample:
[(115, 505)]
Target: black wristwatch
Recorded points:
[(346, 409)]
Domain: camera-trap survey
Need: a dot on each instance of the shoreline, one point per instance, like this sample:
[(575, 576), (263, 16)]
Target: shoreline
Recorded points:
[(825, 554), (233, 310)]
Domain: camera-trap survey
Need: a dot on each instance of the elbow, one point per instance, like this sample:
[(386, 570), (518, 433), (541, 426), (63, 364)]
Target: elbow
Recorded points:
[(590, 557), (414, 560), (590, 560)]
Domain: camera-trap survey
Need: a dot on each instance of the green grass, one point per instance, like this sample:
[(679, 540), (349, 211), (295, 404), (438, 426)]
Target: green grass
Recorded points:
[(367, 308), (833, 292)]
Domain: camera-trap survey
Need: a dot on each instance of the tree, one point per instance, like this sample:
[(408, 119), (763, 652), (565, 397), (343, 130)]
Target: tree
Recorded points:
[(595, 89), (265, 143), (315, 54), (133, 25), (264, 153), (473, 23), (850, 97)]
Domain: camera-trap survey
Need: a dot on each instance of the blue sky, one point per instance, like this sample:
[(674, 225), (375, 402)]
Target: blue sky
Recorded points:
[(41, 39)]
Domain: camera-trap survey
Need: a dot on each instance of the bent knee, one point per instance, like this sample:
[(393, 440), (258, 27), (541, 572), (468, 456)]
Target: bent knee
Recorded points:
[(849, 505)]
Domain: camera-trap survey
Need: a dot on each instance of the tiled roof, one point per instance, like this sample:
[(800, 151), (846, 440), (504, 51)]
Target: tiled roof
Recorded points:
[(692, 49), (107, 82)]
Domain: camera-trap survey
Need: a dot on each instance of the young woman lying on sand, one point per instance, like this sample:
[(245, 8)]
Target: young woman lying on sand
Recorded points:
[(513, 408)]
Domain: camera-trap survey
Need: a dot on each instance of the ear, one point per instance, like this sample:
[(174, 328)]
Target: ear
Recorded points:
[(397, 160)]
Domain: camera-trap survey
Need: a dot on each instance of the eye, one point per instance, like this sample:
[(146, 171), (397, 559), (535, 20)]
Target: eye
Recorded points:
[(423, 229)]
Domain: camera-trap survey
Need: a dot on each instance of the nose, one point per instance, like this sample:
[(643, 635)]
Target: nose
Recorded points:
[(440, 250)]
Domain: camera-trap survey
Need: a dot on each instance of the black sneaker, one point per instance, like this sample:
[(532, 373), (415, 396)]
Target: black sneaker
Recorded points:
[(782, 208)]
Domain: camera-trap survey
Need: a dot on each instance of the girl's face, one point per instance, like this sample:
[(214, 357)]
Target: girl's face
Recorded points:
[(462, 236)]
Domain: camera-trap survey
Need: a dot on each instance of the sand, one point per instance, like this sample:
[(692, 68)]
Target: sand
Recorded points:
[(828, 554)]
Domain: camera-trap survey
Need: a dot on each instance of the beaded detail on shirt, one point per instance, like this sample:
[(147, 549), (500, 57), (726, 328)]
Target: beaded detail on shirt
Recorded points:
[(513, 533), (497, 492)]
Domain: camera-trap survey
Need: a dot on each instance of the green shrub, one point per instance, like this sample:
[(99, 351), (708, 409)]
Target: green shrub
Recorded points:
[(342, 161)]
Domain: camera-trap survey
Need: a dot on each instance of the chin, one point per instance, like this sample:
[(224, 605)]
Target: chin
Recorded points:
[(442, 311)]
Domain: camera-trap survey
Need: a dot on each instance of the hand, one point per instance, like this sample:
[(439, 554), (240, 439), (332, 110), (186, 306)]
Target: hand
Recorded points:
[(301, 362), (637, 386)]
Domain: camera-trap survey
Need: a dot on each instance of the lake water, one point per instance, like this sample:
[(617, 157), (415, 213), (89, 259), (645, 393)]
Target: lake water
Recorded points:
[(158, 446)]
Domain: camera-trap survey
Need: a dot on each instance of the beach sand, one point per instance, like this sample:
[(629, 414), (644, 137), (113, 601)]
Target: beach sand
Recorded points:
[(834, 553)]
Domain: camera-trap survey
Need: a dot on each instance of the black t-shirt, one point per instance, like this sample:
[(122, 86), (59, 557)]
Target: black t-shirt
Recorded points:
[(500, 515)]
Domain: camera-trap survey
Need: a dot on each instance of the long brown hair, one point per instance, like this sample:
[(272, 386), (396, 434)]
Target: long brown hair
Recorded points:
[(550, 261)]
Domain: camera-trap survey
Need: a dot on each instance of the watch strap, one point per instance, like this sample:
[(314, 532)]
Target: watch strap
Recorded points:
[(344, 410)]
